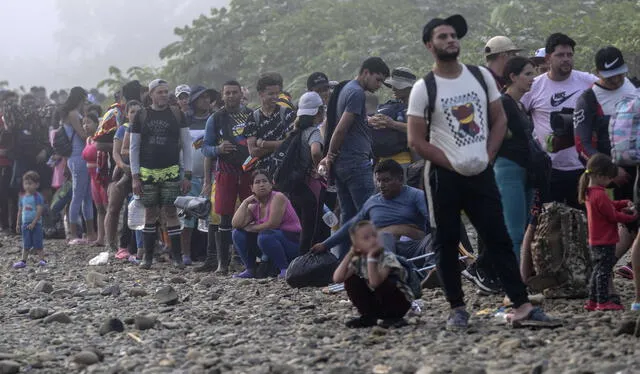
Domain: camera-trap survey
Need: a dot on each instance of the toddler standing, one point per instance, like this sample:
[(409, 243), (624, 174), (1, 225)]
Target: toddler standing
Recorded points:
[(29, 222)]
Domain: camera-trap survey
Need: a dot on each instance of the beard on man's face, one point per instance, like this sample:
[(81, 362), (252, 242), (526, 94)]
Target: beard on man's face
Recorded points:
[(444, 55)]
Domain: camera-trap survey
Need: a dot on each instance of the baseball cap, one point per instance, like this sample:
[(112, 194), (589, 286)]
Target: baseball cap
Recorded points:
[(196, 91), (309, 103), (456, 21), (609, 62), (401, 78), (183, 88), (500, 44), (157, 82), (317, 80)]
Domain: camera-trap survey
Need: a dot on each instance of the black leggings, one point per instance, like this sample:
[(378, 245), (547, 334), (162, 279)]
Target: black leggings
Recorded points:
[(604, 258), (310, 211)]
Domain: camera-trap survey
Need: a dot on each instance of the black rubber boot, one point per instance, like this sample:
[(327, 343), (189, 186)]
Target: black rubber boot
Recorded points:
[(150, 236), (211, 262), (176, 249), (223, 242)]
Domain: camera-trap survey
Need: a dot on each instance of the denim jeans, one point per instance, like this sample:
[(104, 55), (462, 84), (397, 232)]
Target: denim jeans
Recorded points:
[(273, 243), (81, 198), (355, 186), (516, 198)]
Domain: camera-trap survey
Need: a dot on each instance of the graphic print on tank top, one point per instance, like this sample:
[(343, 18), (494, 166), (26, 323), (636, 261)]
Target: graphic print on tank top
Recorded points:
[(460, 113)]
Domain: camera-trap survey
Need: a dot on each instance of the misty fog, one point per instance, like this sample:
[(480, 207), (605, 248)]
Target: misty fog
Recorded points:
[(62, 43)]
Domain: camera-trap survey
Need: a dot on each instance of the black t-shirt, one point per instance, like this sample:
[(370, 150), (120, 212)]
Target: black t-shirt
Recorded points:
[(160, 143), (515, 145), (270, 128)]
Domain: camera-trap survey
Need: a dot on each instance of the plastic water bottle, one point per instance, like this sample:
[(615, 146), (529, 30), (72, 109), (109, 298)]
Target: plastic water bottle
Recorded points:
[(329, 217), (136, 218), (203, 225)]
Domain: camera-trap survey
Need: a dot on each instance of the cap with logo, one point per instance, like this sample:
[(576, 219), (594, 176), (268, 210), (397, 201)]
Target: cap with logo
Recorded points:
[(456, 21), (317, 80), (400, 78), (538, 56), (500, 44), (183, 88), (609, 62), (156, 83), (309, 104)]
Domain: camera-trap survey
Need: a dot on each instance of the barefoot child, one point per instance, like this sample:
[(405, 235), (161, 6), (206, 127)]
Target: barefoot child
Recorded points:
[(29, 222), (375, 281), (603, 216)]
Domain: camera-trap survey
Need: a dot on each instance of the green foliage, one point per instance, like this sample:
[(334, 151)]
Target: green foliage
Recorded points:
[(116, 79), (297, 37)]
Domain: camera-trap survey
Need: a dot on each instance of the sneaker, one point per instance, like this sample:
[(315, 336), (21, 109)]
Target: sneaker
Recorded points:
[(42, 263), (206, 267), (134, 260), (186, 260), (247, 274), (609, 306), (483, 282), (625, 271), (590, 306), (178, 264), (20, 264), (361, 322), (635, 307), (458, 320)]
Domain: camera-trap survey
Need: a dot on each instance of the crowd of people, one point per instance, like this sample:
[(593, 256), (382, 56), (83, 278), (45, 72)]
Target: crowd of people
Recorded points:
[(481, 136)]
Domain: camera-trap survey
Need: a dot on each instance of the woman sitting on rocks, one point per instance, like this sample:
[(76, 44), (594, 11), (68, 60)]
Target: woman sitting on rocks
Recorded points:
[(265, 220)]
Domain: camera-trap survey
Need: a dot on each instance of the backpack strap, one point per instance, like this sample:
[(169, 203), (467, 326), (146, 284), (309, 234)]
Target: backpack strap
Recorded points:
[(256, 116), (432, 91), (283, 114), (477, 73)]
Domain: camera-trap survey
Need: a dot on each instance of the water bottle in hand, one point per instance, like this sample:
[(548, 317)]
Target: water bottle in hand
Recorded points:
[(329, 217), (136, 218)]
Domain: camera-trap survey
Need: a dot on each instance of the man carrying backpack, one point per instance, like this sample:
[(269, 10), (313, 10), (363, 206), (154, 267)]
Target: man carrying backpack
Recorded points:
[(458, 147), (225, 140), (593, 110), (158, 133), (268, 126), (349, 149)]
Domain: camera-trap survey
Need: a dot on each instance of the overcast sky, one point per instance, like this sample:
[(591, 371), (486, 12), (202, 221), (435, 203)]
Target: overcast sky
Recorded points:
[(31, 45)]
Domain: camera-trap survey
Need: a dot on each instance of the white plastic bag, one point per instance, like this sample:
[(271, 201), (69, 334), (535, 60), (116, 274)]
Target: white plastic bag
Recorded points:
[(101, 259)]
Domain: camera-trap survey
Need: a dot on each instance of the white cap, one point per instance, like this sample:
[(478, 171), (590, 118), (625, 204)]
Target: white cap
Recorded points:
[(541, 52), (309, 104), (157, 82), (183, 88)]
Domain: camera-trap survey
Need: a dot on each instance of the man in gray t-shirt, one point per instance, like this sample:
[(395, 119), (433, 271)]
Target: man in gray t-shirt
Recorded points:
[(349, 154)]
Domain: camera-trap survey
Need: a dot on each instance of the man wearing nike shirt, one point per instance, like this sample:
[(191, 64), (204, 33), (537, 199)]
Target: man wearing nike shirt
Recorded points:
[(559, 88)]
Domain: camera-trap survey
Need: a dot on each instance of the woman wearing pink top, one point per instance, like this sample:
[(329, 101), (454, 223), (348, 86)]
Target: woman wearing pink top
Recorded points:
[(267, 219)]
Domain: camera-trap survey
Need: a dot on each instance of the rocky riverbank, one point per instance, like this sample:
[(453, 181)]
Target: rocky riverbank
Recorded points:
[(71, 317)]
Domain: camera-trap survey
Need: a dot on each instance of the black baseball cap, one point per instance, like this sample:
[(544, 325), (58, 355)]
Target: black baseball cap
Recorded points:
[(609, 62), (456, 21), (317, 80)]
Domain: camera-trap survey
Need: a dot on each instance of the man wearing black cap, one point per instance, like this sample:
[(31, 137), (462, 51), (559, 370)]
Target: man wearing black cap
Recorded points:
[(390, 123), (459, 147), (319, 82), (591, 121)]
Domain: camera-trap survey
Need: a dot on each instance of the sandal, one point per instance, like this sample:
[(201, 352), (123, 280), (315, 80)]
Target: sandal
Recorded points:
[(535, 318), (78, 242)]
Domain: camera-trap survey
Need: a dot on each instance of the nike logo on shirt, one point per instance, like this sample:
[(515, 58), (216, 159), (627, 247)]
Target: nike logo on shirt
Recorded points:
[(560, 97)]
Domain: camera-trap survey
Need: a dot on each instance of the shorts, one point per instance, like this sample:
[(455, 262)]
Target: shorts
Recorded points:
[(160, 193), (32, 239), (196, 189), (228, 188), (99, 193)]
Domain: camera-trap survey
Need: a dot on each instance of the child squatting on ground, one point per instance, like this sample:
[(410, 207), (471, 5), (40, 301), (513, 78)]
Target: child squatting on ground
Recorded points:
[(376, 283), (29, 221), (603, 216)]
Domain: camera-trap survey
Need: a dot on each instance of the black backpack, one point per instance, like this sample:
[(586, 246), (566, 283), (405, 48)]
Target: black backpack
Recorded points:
[(290, 165), (62, 144), (432, 90)]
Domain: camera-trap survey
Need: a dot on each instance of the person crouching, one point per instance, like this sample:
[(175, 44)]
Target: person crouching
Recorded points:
[(375, 281)]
